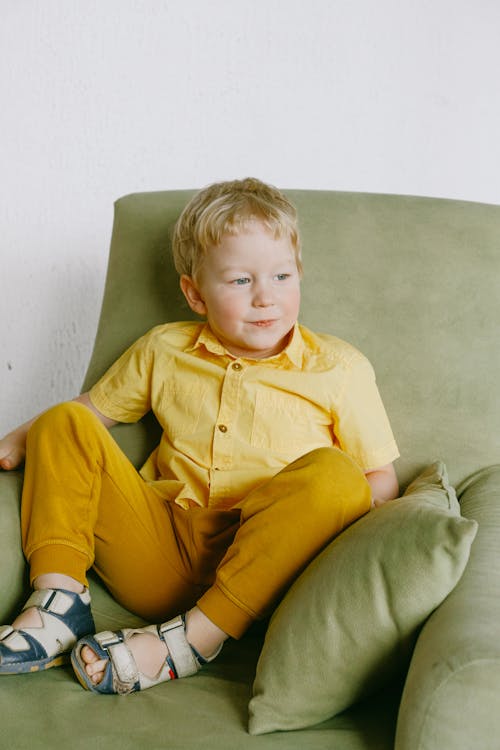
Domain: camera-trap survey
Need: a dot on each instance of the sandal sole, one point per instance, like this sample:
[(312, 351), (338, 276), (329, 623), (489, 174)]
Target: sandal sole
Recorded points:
[(36, 666)]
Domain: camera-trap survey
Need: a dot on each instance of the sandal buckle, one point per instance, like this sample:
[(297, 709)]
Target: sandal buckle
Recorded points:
[(177, 622), (107, 638)]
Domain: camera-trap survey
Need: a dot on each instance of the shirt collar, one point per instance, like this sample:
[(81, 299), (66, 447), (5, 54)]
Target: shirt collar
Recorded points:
[(293, 351)]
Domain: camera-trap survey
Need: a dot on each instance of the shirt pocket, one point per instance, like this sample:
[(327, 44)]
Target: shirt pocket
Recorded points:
[(182, 403), (286, 423)]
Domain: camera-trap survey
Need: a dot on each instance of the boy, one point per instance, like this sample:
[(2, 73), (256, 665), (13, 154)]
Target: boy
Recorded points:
[(274, 440)]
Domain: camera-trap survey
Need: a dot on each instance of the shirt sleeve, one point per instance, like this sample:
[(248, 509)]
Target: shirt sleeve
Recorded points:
[(124, 391), (361, 423)]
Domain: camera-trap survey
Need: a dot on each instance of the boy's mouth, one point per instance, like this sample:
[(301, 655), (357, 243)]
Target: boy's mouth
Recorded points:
[(262, 323)]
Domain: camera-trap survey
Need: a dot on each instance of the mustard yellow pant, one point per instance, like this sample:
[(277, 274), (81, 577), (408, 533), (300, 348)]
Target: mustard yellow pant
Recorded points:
[(85, 505)]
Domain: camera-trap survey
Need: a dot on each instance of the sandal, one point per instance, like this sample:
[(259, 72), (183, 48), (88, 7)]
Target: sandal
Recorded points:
[(121, 675), (66, 617)]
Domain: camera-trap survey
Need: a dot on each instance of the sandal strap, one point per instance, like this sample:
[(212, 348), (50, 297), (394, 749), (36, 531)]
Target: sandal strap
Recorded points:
[(56, 601), (124, 666), (122, 674), (65, 617), (181, 659), (181, 653), (56, 634)]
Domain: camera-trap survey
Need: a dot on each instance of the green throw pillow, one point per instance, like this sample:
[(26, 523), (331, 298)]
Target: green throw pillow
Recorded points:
[(349, 623)]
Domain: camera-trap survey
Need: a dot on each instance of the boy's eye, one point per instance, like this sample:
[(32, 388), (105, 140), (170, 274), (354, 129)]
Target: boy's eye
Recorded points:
[(240, 282), (282, 276)]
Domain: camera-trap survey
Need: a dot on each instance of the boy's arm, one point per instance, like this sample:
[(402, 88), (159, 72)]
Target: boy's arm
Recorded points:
[(85, 400), (384, 484), (13, 445)]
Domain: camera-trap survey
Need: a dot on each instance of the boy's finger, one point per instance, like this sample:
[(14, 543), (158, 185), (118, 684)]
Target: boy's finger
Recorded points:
[(11, 460)]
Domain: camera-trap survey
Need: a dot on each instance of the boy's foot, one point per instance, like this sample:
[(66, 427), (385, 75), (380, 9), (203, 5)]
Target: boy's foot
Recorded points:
[(149, 653), (131, 660), (43, 635)]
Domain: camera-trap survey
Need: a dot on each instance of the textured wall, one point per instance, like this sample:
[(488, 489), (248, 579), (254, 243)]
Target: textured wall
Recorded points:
[(99, 99)]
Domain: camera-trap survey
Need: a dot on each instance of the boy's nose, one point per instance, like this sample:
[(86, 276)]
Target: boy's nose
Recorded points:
[(263, 296)]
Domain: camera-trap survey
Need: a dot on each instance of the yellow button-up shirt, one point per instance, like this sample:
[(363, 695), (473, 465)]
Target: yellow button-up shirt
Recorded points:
[(229, 424)]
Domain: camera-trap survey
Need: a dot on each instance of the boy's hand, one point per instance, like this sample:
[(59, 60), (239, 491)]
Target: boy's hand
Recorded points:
[(12, 450), (384, 484)]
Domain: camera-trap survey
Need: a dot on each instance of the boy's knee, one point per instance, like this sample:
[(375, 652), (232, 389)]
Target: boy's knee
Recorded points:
[(60, 417), (330, 461), (332, 470)]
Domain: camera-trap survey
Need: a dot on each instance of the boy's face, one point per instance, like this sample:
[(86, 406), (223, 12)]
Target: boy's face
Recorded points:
[(249, 289)]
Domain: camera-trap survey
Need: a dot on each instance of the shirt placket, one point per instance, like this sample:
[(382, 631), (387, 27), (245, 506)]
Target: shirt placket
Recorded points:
[(224, 434)]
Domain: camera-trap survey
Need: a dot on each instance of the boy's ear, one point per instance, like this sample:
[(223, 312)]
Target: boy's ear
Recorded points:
[(192, 294)]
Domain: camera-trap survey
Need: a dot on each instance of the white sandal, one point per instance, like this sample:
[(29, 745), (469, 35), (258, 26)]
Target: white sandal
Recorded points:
[(122, 675)]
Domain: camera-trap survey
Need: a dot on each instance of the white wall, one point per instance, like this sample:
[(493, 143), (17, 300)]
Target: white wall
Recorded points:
[(99, 98)]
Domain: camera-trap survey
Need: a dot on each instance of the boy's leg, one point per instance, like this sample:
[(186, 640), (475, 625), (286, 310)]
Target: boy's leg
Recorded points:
[(284, 525), (85, 504)]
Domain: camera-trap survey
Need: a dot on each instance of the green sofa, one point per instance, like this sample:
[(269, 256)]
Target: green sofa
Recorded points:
[(413, 283)]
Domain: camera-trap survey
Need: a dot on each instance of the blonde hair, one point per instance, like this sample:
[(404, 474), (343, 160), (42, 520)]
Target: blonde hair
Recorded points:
[(226, 208)]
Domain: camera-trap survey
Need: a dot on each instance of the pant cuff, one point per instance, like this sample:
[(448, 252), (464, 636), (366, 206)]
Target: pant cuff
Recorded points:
[(224, 613), (58, 558)]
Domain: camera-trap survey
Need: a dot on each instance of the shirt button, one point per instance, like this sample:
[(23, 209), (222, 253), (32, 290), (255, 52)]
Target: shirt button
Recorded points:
[(236, 366), (222, 427)]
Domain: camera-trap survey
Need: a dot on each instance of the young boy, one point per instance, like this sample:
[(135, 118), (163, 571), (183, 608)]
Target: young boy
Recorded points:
[(274, 440)]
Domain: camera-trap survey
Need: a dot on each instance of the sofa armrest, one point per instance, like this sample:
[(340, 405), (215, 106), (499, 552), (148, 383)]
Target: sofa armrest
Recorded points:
[(450, 699), (13, 569)]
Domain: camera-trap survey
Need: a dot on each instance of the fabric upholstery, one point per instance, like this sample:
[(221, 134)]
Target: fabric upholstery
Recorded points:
[(465, 629), (348, 625)]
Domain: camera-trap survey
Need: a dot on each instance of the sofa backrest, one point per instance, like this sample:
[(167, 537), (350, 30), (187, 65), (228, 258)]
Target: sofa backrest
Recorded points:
[(412, 282)]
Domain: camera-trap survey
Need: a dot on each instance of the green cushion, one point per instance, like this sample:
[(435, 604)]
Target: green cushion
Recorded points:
[(349, 623), (453, 683), (14, 584)]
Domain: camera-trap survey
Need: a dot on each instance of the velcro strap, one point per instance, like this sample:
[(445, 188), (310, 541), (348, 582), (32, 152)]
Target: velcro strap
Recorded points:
[(16, 642), (5, 630), (180, 651), (107, 638), (124, 664), (13, 639), (51, 600)]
